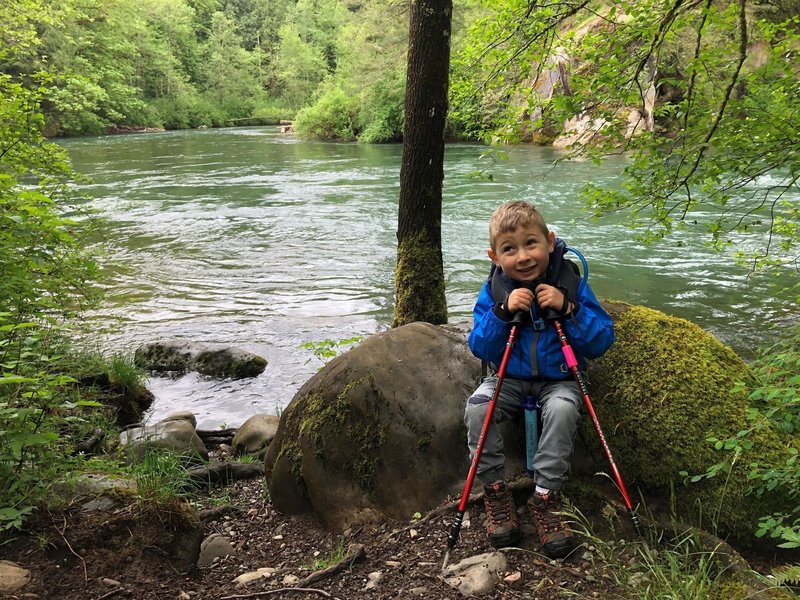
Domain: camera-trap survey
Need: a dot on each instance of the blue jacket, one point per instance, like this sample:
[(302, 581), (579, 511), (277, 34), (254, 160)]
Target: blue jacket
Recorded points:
[(538, 354)]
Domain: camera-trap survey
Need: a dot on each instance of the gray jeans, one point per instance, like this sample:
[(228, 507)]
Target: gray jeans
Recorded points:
[(560, 403)]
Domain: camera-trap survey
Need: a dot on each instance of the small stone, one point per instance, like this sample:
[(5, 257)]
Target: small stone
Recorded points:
[(291, 580), (419, 591), (514, 580), (373, 580), (413, 533), (213, 548), (261, 573), (111, 582), (184, 596), (12, 577), (394, 563), (277, 537)]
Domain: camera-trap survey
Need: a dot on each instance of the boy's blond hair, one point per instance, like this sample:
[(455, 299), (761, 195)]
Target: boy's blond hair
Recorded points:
[(511, 215)]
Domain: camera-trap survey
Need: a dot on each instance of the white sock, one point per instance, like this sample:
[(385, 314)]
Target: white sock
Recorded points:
[(542, 491)]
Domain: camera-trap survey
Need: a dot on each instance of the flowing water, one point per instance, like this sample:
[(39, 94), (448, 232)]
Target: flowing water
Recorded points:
[(256, 239)]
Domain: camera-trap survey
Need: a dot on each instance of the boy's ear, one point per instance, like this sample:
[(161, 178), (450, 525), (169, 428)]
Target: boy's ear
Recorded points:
[(551, 242), (493, 256)]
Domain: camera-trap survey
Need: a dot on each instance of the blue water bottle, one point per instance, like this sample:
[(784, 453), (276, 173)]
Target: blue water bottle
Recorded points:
[(531, 407)]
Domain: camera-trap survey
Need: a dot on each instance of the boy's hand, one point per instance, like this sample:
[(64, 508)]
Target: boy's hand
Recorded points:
[(548, 296), (519, 299)]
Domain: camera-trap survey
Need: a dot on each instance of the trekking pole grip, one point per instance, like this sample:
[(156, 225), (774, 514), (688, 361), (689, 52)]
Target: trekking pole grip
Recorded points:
[(549, 313)]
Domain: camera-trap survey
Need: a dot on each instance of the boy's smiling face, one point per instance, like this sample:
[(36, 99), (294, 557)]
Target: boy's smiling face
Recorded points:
[(523, 254)]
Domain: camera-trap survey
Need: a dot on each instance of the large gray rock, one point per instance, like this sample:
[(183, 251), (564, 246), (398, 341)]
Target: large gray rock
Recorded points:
[(181, 356), (379, 430)]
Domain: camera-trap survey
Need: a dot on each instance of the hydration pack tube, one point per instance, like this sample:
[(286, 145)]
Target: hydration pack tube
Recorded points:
[(584, 264)]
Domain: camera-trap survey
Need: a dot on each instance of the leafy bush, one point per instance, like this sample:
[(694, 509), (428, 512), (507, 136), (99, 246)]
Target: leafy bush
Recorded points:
[(775, 403), (382, 110), (334, 116), (46, 272), (327, 349), (39, 408)]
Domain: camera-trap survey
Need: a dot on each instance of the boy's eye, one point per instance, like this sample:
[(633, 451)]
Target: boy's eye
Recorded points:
[(507, 249)]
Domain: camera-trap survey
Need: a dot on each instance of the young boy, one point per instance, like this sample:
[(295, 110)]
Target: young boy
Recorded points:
[(530, 276)]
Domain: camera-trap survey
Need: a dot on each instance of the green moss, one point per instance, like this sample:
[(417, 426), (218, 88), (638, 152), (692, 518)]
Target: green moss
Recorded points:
[(661, 392), (733, 588), (424, 438), (291, 452), (424, 441), (336, 432), (419, 283)]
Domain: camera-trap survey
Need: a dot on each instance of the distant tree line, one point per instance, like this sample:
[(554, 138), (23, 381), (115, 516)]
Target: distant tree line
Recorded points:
[(187, 63)]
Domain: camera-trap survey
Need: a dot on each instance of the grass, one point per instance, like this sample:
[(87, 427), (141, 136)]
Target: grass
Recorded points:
[(682, 567), (330, 559), (247, 459), (161, 478), (123, 373)]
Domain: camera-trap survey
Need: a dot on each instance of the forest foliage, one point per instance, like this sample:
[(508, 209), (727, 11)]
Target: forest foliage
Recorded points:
[(700, 94)]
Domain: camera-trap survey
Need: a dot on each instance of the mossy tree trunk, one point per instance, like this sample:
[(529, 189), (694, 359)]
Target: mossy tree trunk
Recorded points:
[(419, 275)]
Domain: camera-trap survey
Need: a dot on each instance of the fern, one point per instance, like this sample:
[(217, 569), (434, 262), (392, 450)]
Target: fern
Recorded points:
[(787, 574)]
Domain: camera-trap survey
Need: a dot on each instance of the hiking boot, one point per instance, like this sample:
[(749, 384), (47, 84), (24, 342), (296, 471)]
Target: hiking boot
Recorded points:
[(556, 538), (502, 524)]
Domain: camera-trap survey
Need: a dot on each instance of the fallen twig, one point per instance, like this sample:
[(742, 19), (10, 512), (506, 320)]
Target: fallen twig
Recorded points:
[(66, 541), (280, 591), (356, 553)]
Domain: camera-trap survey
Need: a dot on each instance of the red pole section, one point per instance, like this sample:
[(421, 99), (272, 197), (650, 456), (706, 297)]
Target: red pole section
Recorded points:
[(501, 374), (452, 537), (572, 363)]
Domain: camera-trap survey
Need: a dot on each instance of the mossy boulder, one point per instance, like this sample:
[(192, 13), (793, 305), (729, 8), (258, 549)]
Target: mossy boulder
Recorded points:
[(379, 431), (660, 393), (181, 356)]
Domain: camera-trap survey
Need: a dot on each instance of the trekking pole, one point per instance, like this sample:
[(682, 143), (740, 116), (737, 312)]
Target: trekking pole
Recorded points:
[(572, 363), (452, 537)]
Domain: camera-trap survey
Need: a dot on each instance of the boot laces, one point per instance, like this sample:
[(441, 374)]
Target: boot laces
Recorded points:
[(547, 517), (498, 508)]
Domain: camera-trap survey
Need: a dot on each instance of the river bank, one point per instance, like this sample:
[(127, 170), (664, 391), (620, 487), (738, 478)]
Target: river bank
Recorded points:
[(73, 555)]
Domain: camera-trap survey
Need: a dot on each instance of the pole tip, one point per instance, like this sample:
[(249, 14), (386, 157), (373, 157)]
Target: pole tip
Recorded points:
[(446, 560)]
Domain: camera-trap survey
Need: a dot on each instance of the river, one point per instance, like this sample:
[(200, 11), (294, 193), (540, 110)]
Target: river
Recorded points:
[(259, 240)]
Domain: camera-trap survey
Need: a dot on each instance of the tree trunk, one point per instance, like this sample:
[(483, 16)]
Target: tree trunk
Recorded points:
[(419, 275)]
